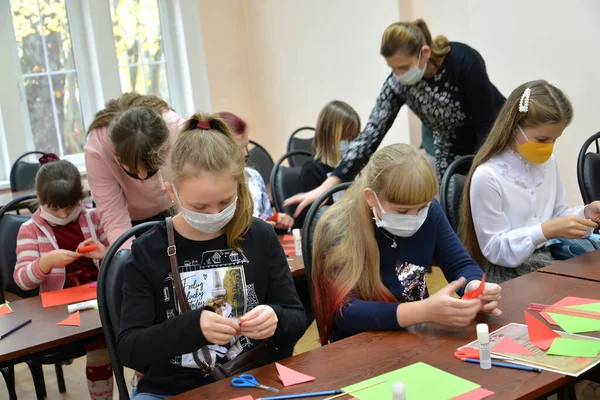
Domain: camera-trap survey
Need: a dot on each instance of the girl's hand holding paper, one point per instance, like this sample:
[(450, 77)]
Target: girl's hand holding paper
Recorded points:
[(489, 294), (260, 323)]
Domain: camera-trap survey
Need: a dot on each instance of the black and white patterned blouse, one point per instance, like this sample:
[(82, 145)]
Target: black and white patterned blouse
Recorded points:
[(458, 104)]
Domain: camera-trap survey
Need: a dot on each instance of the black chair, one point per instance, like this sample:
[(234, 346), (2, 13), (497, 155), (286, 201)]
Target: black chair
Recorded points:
[(451, 190), (110, 297), (22, 173), (588, 170), (260, 159), (285, 181), (295, 143)]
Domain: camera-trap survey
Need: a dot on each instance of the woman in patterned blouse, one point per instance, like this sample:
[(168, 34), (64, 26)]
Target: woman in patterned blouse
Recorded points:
[(444, 83)]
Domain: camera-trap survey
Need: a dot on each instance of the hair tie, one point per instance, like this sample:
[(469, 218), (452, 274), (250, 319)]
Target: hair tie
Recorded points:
[(203, 125), (524, 103), (48, 158)]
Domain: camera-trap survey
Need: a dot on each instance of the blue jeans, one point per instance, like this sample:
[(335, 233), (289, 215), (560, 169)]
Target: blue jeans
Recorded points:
[(149, 396)]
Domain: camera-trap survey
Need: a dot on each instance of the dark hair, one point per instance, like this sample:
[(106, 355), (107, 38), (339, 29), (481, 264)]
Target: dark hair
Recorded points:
[(58, 184), (238, 126), (139, 136)]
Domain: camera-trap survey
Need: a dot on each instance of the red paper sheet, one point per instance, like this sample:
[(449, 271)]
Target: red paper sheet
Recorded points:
[(288, 238), (290, 377), (72, 320), (5, 309), (508, 345), (244, 398), (473, 294), (539, 334), (567, 301), (68, 296), (290, 252), (477, 394)]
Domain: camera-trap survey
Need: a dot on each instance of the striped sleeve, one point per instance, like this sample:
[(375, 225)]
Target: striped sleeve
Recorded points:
[(27, 274), (100, 234)]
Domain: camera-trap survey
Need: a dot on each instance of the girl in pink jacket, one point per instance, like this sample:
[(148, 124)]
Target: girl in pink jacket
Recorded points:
[(47, 254)]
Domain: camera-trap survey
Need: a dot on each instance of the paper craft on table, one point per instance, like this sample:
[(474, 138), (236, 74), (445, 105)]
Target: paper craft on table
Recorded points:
[(539, 334), (288, 238), (477, 394), (573, 324), (473, 294), (74, 294), (594, 307), (72, 320), (5, 309), (94, 284), (566, 302), (244, 398), (575, 348), (290, 252), (509, 345), (290, 377)]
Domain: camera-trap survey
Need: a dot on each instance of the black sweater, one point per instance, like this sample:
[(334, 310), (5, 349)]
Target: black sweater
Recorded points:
[(157, 340)]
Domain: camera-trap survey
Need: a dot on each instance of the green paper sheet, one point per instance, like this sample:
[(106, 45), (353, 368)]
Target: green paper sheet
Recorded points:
[(422, 381), (571, 324), (575, 348), (595, 307)]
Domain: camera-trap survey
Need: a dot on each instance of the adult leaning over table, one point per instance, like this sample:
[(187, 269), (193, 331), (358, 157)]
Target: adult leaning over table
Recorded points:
[(444, 83), (126, 144)]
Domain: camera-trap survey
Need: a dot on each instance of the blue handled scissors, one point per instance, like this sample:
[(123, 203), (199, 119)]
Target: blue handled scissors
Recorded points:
[(246, 380)]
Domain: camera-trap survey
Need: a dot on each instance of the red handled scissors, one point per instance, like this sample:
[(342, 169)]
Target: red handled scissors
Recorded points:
[(472, 352)]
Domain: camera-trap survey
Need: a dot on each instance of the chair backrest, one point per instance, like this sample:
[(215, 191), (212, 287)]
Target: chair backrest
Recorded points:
[(451, 190), (9, 230), (296, 143), (285, 182), (260, 159), (110, 297), (22, 173), (588, 170), (315, 212)]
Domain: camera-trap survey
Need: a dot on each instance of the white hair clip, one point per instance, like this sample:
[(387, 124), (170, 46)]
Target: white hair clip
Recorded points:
[(524, 103)]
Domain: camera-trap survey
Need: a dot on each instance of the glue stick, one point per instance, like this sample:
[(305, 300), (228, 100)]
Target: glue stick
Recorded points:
[(483, 337), (398, 391), (86, 305), (297, 242)]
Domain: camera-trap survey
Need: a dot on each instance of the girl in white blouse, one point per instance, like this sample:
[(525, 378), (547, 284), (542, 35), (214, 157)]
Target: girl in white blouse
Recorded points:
[(516, 201)]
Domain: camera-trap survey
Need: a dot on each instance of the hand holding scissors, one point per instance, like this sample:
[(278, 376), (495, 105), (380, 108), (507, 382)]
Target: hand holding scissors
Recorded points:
[(246, 380)]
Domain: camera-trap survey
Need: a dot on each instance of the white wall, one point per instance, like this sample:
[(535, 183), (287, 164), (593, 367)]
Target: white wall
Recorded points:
[(522, 40), (278, 62)]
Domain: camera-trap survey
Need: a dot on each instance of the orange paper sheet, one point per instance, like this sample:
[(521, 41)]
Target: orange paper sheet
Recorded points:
[(477, 394), (290, 252), (290, 377), (509, 345), (5, 309), (244, 398), (539, 334), (288, 238), (68, 296), (72, 320)]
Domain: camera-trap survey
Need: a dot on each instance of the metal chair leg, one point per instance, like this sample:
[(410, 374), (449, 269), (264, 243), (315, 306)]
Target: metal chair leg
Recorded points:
[(9, 377), (60, 378), (37, 373)]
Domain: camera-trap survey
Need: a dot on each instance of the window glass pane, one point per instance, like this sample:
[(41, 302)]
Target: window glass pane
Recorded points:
[(156, 82), (69, 114), (41, 116), (26, 22), (56, 35)]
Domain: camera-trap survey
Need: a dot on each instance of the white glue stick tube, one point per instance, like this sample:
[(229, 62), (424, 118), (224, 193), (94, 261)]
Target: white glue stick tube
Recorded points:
[(483, 337), (86, 305), (297, 242)]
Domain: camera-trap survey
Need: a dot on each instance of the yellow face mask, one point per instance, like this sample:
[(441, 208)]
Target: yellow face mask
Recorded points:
[(536, 153)]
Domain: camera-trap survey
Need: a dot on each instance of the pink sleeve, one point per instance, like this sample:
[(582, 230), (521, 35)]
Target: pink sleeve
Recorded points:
[(100, 234), (108, 196), (173, 122), (27, 274)]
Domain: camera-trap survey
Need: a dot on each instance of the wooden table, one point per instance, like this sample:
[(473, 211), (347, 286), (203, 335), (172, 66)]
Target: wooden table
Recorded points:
[(586, 266), (296, 262), (372, 353), (42, 333)]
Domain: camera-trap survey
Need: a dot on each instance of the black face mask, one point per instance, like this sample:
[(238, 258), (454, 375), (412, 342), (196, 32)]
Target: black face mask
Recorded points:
[(133, 175)]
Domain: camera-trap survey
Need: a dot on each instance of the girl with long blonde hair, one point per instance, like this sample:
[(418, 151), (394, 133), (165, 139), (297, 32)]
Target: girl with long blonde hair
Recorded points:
[(232, 272), (373, 247), (514, 201)]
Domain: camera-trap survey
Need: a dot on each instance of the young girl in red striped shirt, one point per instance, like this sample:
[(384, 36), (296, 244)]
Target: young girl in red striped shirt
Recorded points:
[(47, 254)]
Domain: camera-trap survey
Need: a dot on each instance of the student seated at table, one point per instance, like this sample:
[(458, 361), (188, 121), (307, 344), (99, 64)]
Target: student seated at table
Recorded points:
[(256, 184), (47, 254), (233, 272), (373, 247), (516, 200)]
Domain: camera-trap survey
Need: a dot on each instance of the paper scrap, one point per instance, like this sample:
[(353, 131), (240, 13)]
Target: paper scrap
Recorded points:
[(539, 334), (575, 348), (287, 238), (290, 252), (74, 294), (473, 294), (477, 394), (244, 398), (290, 377), (572, 324), (566, 302), (417, 379), (509, 345), (94, 284), (595, 307), (72, 320), (5, 309)]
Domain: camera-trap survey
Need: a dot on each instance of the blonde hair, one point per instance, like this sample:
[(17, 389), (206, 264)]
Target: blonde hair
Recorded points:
[(337, 121), (215, 150), (346, 254), (547, 105), (410, 37)]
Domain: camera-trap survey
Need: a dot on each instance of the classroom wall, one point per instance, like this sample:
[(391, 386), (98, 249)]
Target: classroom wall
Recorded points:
[(527, 40), (278, 62)]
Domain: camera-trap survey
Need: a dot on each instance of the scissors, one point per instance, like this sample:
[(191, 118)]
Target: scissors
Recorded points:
[(246, 380), (472, 352)]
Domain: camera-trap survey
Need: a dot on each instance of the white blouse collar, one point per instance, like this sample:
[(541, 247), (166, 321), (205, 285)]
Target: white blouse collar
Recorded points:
[(514, 168)]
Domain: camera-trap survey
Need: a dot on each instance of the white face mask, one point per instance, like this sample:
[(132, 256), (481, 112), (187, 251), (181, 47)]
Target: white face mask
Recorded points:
[(56, 221), (413, 75), (403, 225), (207, 223)]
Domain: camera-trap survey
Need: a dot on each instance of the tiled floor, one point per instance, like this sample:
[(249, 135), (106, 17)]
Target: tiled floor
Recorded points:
[(75, 373)]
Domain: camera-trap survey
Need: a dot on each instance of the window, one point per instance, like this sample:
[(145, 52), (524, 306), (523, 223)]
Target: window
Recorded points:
[(48, 75), (138, 42)]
